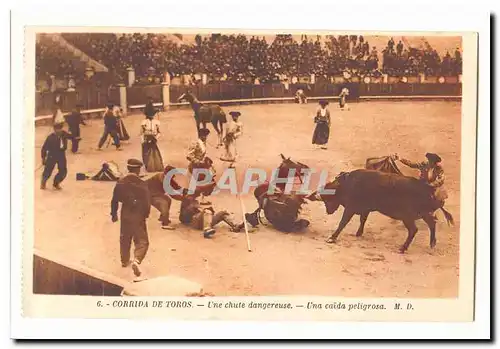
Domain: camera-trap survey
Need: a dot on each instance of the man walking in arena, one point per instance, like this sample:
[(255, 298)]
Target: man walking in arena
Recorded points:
[(134, 195), (54, 153), (74, 121), (110, 128)]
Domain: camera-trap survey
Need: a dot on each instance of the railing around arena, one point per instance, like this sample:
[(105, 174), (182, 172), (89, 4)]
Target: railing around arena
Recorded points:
[(132, 98)]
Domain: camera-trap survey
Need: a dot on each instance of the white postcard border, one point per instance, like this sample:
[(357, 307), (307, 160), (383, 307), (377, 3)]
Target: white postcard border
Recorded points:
[(138, 19)]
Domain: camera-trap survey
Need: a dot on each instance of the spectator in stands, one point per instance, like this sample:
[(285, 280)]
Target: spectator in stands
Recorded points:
[(390, 44), (399, 48)]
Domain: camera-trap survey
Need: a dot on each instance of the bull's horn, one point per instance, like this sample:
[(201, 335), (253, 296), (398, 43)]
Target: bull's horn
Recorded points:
[(283, 156)]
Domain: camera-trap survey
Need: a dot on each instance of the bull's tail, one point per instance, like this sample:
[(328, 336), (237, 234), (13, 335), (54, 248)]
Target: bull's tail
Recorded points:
[(448, 216)]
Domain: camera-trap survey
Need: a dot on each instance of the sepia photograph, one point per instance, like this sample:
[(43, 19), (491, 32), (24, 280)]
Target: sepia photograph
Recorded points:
[(161, 155), (186, 173)]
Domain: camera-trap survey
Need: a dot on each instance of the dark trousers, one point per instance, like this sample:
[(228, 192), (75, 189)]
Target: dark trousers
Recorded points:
[(74, 145), (162, 203), (50, 163), (136, 231), (75, 132), (105, 135)]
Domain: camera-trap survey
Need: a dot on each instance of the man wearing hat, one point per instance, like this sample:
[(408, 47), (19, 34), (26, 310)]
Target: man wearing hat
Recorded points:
[(322, 130), (74, 121), (197, 155), (431, 172), (54, 153), (234, 131), (150, 133), (300, 96), (134, 195), (110, 128), (57, 114), (343, 98)]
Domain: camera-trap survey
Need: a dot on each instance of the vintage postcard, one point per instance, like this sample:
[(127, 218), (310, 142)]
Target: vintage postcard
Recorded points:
[(194, 174)]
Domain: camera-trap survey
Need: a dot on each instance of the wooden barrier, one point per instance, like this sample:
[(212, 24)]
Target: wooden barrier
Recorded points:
[(54, 277), (97, 113), (94, 97)]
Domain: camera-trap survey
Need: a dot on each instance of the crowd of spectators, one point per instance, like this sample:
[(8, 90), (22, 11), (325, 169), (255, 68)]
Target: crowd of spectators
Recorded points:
[(246, 58), (52, 59), (399, 61)]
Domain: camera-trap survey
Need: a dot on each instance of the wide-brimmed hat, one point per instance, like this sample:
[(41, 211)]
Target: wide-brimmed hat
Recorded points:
[(323, 102), (433, 157), (235, 113), (134, 163)]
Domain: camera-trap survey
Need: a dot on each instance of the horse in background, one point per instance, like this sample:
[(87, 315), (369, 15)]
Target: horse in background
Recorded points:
[(204, 114)]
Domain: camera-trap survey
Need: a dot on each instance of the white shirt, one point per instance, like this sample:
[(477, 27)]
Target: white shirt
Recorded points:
[(116, 111), (150, 127), (197, 151), (236, 128)]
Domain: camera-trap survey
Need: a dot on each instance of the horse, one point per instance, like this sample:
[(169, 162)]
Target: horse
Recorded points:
[(279, 208), (206, 113)]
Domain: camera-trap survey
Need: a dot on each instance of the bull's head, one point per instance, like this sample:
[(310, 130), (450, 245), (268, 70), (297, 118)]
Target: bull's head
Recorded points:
[(331, 200)]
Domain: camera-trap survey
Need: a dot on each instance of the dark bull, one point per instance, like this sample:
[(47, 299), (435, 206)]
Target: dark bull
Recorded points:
[(402, 198)]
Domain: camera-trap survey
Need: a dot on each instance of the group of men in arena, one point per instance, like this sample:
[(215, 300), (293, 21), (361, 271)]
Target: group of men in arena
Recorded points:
[(137, 195)]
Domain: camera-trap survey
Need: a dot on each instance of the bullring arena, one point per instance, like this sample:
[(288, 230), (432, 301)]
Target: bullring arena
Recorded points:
[(74, 224)]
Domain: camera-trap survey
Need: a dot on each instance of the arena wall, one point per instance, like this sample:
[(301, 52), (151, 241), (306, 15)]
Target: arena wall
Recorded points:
[(54, 277), (94, 99)]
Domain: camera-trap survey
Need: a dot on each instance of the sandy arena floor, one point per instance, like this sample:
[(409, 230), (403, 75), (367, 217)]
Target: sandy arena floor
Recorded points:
[(75, 224)]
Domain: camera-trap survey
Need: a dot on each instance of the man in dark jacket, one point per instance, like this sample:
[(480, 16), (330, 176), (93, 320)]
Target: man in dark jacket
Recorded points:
[(74, 121), (54, 153), (110, 128), (134, 195)]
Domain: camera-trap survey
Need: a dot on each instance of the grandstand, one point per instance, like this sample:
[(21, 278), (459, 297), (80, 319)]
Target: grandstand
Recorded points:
[(236, 57)]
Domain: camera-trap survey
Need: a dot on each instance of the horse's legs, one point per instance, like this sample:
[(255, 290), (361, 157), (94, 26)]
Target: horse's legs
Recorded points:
[(362, 220), (221, 134), (215, 124), (197, 125)]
